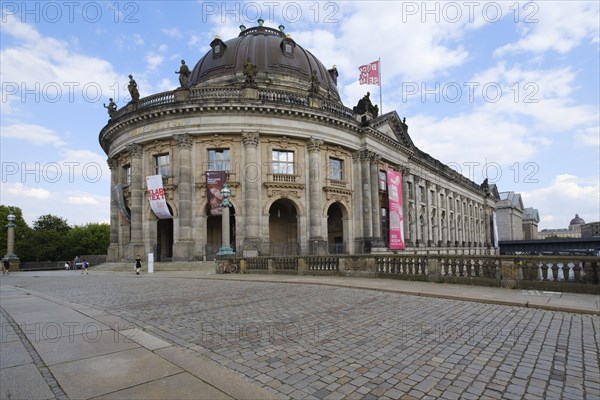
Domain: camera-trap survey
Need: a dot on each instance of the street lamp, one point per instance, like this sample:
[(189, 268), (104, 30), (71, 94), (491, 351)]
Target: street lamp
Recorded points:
[(10, 240), (225, 249)]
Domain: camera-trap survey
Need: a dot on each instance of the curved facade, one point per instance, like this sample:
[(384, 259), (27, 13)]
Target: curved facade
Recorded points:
[(307, 174)]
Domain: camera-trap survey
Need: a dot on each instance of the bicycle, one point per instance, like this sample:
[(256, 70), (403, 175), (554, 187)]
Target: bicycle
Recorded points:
[(226, 267)]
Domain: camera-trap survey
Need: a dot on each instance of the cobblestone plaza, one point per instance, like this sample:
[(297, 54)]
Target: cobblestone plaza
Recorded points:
[(312, 341)]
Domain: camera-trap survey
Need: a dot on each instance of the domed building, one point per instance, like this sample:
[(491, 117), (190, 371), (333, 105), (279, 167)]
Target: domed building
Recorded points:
[(306, 173)]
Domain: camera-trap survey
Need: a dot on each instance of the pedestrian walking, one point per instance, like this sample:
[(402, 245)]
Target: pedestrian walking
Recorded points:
[(84, 267), (138, 265), (5, 266), (67, 265), (75, 263)]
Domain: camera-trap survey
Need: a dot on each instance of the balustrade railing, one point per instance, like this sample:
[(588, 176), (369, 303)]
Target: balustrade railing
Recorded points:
[(402, 265), (331, 264), (469, 267), (285, 264)]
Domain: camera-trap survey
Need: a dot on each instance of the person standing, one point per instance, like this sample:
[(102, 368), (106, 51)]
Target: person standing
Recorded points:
[(138, 265), (75, 263), (5, 266), (84, 267)]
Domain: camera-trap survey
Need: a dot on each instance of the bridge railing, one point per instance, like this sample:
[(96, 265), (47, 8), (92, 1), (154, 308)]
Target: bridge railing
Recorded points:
[(559, 273)]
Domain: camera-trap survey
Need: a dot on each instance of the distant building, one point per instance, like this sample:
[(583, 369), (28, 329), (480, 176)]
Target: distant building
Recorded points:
[(573, 231), (590, 230), (509, 216), (531, 219)]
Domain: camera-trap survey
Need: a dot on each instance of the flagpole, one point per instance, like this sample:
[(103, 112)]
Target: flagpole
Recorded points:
[(380, 89)]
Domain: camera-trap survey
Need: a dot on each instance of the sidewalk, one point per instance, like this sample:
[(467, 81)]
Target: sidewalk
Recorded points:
[(52, 348)]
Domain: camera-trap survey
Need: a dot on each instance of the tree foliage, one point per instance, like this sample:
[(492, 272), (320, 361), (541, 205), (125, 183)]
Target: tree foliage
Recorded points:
[(52, 239)]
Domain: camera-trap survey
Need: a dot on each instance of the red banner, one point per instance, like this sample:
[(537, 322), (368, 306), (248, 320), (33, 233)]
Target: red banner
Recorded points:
[(369, 74), (214, 184), (156, 196), (394, 183)]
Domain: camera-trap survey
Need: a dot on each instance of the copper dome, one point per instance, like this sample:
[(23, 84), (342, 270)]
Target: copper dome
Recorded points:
[(280, 63)]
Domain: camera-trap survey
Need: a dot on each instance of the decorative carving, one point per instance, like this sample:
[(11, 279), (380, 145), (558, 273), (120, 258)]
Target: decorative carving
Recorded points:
[(314, 84), (135, 150), (374, 157), (337, 151), (184, 140), (158, 146), (249, 73), (215, 140), (112, 163), (250, 139), (404, 169), (313, 145), (283, 142)]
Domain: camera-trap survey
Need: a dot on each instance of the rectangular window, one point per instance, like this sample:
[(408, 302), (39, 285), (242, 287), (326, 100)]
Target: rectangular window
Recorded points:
[(422, 194), (283, 162), (383, 181), (219, 160), (432, 197), (161, 164), (409, 186), (442, 201), (336, 169), (126, 175)]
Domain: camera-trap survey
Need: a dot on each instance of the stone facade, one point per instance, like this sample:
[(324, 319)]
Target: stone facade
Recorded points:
[(306, 173)]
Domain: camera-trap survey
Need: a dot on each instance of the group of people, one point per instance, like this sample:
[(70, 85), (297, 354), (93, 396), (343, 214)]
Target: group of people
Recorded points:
[(76, 264)]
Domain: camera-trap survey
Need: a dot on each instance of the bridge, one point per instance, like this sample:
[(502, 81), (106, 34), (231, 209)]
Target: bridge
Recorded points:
[(562, 246)]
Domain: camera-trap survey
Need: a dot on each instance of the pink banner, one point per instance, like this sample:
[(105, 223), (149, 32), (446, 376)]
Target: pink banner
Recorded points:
[(369, 74), (394, 183), (156, 196), (214, 184)]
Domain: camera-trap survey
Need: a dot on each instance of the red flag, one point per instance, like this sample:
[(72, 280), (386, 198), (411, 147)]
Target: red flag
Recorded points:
[(369, 74)]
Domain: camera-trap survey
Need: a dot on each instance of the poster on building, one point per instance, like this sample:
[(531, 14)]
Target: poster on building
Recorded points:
[(495, 229), (214, 184), (394, 183), (156, 196), (121, 202)]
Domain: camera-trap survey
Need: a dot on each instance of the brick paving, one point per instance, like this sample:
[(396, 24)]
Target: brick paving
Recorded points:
[(320, 342)]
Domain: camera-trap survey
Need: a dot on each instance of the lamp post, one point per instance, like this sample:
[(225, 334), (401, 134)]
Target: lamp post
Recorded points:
[(225, 249)]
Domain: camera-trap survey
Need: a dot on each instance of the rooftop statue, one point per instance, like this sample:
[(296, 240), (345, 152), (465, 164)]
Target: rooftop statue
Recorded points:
[(184, 74), (111, 108), (133, 90)]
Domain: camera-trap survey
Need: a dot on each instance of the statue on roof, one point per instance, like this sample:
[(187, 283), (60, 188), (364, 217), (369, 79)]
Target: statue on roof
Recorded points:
[(133, 90), (365, 106), (184, 74), (314, 84), (111, 108), (249, 73)]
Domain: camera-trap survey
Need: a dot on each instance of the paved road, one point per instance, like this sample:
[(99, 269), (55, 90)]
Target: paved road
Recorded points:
[(308, 341)]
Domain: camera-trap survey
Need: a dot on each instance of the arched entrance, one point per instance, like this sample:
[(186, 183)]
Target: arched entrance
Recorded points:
[(214, 229), (164, 238), (283, 228), (335, 229)]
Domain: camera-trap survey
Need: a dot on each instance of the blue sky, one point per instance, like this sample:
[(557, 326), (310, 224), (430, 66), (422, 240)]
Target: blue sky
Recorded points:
[(508, 88)]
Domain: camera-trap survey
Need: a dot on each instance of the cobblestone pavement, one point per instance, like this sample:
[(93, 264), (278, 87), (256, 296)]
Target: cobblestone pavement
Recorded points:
[(307, 342)]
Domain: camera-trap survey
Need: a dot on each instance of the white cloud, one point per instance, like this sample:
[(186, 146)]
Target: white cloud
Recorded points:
[(153, 60), (566, 196), (555, 26), (82, 200), (173, 33), (18, 190), (589, 137), (34, 134)]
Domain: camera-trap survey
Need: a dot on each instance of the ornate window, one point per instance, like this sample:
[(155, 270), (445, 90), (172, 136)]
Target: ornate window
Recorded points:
[(161, 164), (126, 178), (283, 162), (411, 193), (219, 160), (422, 194), (336, 169)]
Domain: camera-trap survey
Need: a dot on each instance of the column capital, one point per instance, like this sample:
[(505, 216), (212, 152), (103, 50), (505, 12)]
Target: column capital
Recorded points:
[(314, 145), (184, 140), (135, 150), (112, 163), (250, 139)]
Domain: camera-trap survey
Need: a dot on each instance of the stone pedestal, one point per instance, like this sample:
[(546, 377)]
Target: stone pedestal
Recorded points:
[(250, 93), (112, 254), (182, 94), (314, 102)]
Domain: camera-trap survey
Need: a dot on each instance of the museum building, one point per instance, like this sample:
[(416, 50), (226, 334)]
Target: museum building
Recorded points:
[(307, 174)]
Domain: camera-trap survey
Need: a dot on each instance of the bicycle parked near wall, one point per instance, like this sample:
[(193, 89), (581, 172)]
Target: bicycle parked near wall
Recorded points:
[(226, 267)]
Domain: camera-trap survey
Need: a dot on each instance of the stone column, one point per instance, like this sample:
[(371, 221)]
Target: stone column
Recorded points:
[(317, 245), (366, 196), (357, 215), (375, 206), (183, 248), (136, 246), (113, 247), (251, 179)]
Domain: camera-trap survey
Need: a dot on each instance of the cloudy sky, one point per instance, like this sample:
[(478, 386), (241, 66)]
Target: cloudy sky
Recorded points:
[(507, 90)]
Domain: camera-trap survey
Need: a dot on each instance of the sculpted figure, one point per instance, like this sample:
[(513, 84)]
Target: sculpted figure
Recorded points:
[(184, 74), (111, 107), (133, 90)]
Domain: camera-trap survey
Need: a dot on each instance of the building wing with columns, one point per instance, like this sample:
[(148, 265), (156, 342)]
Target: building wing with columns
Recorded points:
[(307, 174)]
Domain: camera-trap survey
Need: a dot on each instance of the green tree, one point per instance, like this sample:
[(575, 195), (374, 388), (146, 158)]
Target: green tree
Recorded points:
[(92, 238), (47, 239)]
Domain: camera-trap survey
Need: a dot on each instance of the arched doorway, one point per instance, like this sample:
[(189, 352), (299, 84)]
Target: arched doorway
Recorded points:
[(283, 228), (164, 238), (335, 229), (214, 232)]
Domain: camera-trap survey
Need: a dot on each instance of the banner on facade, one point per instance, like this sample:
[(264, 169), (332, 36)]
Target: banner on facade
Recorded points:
[(394, 183), (121, 202), (156, 196), (369, 74), (495, 229), (214, 184)]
